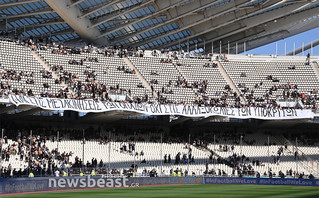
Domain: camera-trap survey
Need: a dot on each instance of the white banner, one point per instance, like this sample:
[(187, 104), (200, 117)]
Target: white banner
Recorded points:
[(156, 109)]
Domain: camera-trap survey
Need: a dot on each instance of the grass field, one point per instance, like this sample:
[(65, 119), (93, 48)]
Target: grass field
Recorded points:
[(193, 191)]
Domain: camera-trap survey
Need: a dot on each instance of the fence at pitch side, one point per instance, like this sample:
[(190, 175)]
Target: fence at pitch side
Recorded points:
[(18, 185)]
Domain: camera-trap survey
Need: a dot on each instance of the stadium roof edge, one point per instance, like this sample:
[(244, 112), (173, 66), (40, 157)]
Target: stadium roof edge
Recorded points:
[(152, 24)]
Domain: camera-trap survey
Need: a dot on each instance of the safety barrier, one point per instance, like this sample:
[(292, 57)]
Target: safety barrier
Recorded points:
[(20, 185)]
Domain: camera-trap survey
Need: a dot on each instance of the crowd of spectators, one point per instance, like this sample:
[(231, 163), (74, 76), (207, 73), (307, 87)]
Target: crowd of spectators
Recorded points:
[(94, 89), (212, 65), (40, 160), (33, 151), (126, 70)]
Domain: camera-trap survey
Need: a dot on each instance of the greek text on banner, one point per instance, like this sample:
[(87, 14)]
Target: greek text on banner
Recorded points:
[(156, 109)]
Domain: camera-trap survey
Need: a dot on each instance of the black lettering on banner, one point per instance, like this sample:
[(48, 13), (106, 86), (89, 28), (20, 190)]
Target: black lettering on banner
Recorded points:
[(142, 107), (49, 102), (33, 100), (262, 112), (275, 111), (231, 112), (67, 103), (185, 110), (223, 110), (41, 103), (216, 110), (111, 105), (191, 110), (132, 106), (255, 111), (244, 111), (105, 105), (152, 108), (85, 102), (117, 105), (25, 99), (291, 112), (175, 108), (268, 113), (166, 109), (139, 107), (63, 104), (19, 99), (123, 105), (259, 111), (196, 110), (202, 110), (37, 101), (13, 99), (288, 112), (85, 105), (97, 105), (75, 105), (90, 104), (155, 108), (55, 101), (283, 113), (265, 113), (159, 109), (79, 105), (171, 108), (295, 112), (208, 109)]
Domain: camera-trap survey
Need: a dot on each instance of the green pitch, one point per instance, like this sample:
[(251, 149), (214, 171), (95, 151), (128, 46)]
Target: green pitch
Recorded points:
[(192, 191)]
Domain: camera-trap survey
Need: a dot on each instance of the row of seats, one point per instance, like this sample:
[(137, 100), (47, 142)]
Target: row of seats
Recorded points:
[(18, 57), (105, 69), (153, 154), (256, 72)]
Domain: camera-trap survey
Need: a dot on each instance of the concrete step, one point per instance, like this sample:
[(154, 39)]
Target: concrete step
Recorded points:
[(315, 67), (47, 67), (229, 81), (139, 75)]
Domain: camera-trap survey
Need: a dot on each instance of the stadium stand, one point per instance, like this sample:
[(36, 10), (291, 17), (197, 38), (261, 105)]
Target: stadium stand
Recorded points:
[(98, 73), (200, 72), (95, 70), (262, 81), (169, 85), (223, 157), (98, 94), (21, 73)]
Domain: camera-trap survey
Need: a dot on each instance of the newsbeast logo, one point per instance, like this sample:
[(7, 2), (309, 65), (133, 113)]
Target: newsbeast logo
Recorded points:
[(88, 182)]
